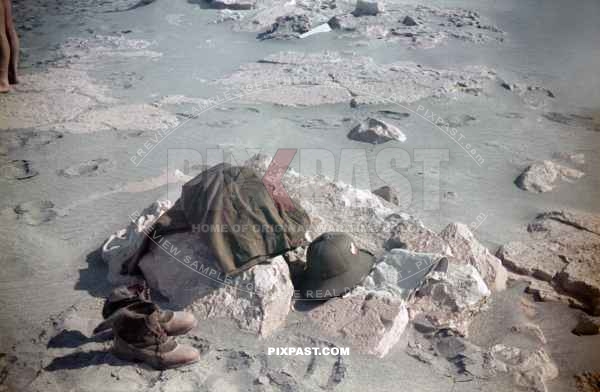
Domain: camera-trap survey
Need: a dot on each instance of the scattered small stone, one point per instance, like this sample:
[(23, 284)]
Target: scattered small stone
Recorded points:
[(409, 21), (450, 195), (346, 22), (586, 326), (508, 86), (368, 8), (387, 193)]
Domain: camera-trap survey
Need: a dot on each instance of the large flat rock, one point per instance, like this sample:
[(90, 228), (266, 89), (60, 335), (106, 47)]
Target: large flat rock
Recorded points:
[(563, 248), (371, 323), (311, 79)]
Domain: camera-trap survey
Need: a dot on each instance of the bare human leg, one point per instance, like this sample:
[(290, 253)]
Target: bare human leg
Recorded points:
[(13, 41), (4, 52)]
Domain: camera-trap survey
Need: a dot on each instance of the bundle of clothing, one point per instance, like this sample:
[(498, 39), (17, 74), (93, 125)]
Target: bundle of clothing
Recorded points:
[(230, 209)]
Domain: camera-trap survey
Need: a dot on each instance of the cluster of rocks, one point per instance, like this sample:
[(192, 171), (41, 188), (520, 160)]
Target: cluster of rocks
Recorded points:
[(543, 176), (311, 79), (560, 258), (183, 270), (449, 354), (413, 25), (417, 26)]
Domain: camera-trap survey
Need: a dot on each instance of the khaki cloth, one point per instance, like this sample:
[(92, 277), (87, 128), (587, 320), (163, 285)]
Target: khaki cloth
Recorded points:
[(231, 210)]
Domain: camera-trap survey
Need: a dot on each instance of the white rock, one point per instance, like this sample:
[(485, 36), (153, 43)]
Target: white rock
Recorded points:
[(373, 324), (258, 300), (451, 299), (542, 176), (400, 272), (183, 269), (466, 249), (233, 4), (376, 132), (122, 245)]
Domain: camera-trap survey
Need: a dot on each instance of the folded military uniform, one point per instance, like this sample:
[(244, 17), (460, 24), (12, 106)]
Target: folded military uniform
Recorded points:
[(231, 210)]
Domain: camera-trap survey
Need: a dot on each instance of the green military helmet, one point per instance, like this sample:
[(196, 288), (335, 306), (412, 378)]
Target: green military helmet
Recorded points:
[(335, 265)]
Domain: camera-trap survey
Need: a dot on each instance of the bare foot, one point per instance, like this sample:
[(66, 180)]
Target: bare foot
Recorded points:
[(4, 87)]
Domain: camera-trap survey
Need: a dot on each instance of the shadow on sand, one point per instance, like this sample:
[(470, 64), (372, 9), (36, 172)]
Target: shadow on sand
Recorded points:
[(83, 359), (93, 278)]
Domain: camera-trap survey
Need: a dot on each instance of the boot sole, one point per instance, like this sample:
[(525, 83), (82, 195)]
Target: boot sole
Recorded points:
[(132, 357)]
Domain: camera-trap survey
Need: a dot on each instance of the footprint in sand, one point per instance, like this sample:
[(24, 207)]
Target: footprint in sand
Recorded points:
[(35, 213), (86, 168), (18, 169), (14, 140)]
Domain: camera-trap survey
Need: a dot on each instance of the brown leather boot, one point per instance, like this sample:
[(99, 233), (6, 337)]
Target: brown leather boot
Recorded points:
[(177, 323), (174, 323), (140, 337)]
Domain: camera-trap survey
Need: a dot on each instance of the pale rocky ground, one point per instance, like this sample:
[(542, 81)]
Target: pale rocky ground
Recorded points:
[(102, 81)]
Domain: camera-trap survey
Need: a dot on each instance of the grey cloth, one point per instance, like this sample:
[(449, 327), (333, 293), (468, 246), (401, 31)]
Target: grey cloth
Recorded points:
[(402, 272)]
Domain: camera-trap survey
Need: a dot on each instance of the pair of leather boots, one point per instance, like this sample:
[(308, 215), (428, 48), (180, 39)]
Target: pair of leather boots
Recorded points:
[(143, 332)]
